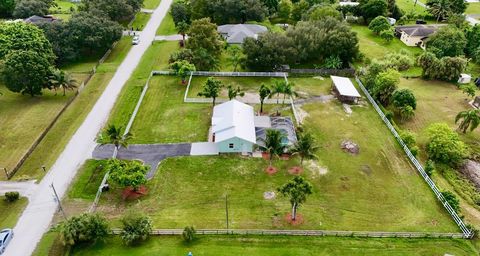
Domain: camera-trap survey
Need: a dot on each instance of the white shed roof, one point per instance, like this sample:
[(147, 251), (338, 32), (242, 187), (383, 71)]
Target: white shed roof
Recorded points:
[(233, 119), (344, 86)]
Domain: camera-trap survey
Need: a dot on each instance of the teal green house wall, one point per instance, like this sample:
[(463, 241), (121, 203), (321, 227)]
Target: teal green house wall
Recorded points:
[(239, 146)]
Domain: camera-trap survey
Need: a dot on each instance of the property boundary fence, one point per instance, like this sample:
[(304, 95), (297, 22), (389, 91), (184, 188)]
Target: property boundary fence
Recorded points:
[(374, 234), (322, 72), (44, 133), (467, 233)]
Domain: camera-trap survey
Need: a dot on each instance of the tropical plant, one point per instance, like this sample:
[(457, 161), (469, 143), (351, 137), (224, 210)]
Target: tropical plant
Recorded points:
[(182, 28), (211, 89), (470, 119), (136, 227), (297, 190), (407, 113), (278, 87), (114, 135), (440, 9), (333, 62), (288, 90), (273, 143), (469, 89), (305, 147), (63, 80), (235, 56), (86, 227), (189, 234), (182, 69), (234, 92), (263, 92)]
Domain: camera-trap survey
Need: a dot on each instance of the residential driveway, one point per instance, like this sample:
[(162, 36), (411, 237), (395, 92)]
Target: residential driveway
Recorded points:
[(204, 149), (150, 154), (26, 189), (36, 218)]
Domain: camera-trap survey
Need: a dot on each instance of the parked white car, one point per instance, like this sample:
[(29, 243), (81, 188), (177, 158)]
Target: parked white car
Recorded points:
[(6, 236), (136, 40)]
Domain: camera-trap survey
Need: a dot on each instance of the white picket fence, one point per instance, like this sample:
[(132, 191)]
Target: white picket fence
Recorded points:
[(466, 232)]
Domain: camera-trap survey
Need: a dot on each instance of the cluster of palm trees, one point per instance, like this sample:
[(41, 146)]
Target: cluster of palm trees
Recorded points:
[(305, 147), (278, 87), (470, 120), (62, 80)]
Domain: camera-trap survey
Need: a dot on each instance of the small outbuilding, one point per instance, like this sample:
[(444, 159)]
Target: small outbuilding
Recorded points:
[(344, 89), (464, 79), (233, 127), (476, 102)]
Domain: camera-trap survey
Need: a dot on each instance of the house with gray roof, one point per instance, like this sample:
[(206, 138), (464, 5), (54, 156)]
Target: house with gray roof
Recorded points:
[(416, 35), (237, 33), (35, 19)]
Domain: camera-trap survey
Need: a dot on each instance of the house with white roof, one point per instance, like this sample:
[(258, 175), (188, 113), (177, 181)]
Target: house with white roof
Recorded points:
[(237, 33), (233, 127), (344, 89)]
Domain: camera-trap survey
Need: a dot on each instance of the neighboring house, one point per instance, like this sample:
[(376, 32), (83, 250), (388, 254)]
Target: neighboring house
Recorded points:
[(237, 33), (345, 90), (348, 3), (40, 19), (233, 127), (416, 35)]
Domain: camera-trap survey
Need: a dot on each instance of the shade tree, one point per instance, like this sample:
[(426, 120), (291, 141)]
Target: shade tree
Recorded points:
[(136, 227), (447, 41), (211, 89), (269, 51), (205, 44), (86, 227), (297, 191), (386, 83), (444, 145), (182, 69)]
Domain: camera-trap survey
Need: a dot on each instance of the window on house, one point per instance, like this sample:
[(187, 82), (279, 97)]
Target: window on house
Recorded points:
[(230, 145)]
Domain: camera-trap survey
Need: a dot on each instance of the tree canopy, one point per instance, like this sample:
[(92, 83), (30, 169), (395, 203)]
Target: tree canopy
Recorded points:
[(447, 41), (205, 44), (444, 145), (127, 173), (84, 228)]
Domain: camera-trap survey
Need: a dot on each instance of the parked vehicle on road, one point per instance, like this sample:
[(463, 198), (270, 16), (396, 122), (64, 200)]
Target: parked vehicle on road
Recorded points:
[(136, 40), (6, 236)]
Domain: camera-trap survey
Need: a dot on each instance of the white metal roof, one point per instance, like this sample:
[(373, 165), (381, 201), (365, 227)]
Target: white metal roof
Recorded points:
[(233, 119), (344, 86)]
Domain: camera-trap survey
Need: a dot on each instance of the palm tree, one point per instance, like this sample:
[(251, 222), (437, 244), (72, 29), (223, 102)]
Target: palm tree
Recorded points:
[(114, 135), (278, 87), (182, 28), (305, 147), (264, 92), (211, 89), (233, 93), (288, 91), (440, 9), (470, 119), (61, 79), (273, 144)]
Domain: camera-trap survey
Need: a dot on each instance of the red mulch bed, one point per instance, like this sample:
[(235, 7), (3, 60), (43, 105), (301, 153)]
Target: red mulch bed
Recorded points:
[(265, 156), (271, 170), (285, 156), (130, 194), (295, 170), (297, 221)]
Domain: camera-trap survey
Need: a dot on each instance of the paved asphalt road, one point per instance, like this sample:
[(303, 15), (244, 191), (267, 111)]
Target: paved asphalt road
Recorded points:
[(150, 154), (36, 218)]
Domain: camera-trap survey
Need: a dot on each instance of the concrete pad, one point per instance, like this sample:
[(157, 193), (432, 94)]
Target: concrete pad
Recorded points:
[(204, 149)]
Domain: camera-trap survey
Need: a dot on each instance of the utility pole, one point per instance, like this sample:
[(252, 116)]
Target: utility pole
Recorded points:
[(59, 202), (226, 209), (6, 172)]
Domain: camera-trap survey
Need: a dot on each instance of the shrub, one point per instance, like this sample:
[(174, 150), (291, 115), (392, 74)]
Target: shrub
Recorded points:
[(12, 196), (444, 145), (429, 167), (404, 97), (84, 228), (333, 62), (452, 200), (399, 60), (135, 228), (379, 24), (189, 234), (409, 140), (387, 35)]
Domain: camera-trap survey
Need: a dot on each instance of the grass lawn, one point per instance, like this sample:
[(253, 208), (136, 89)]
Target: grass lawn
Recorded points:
[(52, 145), (409, 5), (141, 19), (281, 245), (151, 4), (11, 211), (167, 27), (375, 48), (473, 8)]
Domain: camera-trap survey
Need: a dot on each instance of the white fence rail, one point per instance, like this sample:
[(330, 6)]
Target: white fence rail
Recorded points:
[(377, 234), (226, 74), (466, 231)]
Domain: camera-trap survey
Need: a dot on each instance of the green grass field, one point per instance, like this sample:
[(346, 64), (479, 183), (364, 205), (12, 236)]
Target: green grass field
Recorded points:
[(63, 9), (52, 145), (409, 6), (11, 211), (151, 4), (141, 19), (167, 27), (473, 8), (281, 245)]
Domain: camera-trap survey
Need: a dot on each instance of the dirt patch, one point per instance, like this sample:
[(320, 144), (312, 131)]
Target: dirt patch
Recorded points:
[(296, 170), (269, 195), (366, 169), (271, 170), (471, 170), (130, 194), (298, 220), (301, 113), (350, 147), (315, 168)]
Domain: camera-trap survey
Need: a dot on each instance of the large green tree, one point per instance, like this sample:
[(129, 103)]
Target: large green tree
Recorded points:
[(129, 174), (6, 8), (25, 72), (470, 119), (473, 42), (370, 9), (117, 10), (86, 227), (447, 41), (26, 8), (180, 12), (136, 227), (297, 191), (441, 9), (269, 51), (444, 145), (379, 24), (205, 44), (385, 85)]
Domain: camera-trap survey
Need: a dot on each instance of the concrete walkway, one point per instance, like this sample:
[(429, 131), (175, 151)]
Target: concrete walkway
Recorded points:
[(170, 38), (36, 218), (26, 189), (150, 154)]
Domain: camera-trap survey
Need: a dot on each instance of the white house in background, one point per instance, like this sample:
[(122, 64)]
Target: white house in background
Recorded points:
[(237, 33), (416, 35), (233, 127), (344, 89)]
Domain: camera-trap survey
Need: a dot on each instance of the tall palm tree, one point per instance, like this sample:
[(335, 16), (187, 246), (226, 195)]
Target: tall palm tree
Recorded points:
[(288, 91), (440, 9), (182, 28), (470, 119), (63, 80), (264, 92), (114, 135), (273, 144), (278, 87), (305, 147)]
